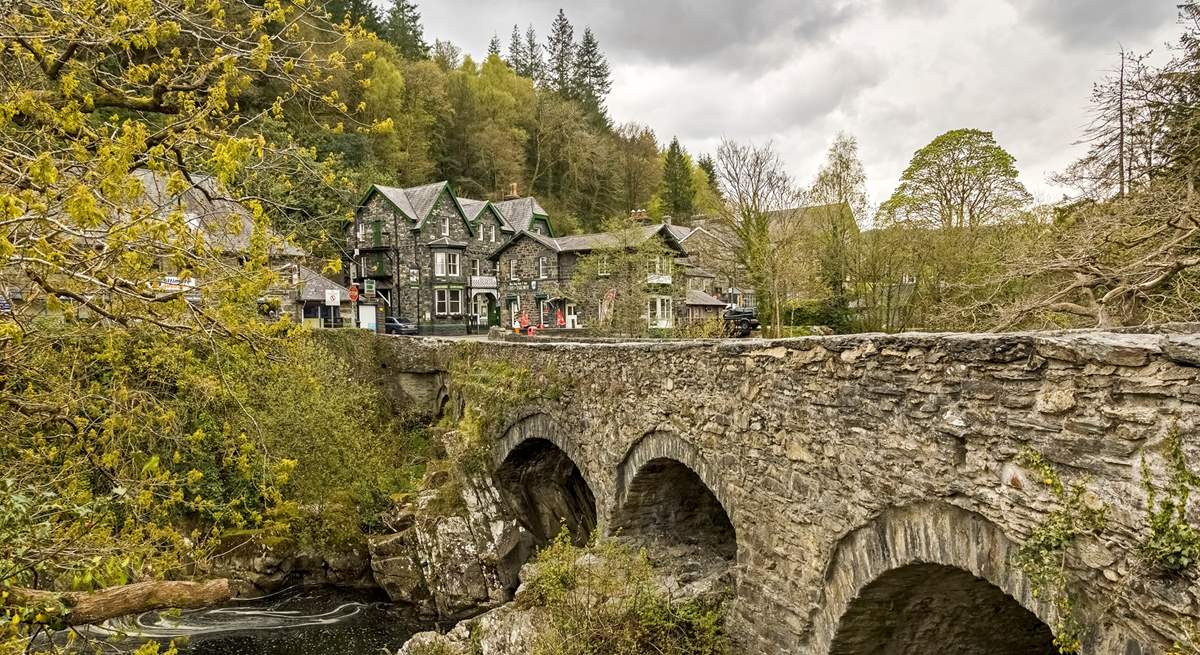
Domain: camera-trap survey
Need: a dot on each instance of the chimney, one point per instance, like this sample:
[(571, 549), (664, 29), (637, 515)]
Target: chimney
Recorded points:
[(512, 192), (666, 220)]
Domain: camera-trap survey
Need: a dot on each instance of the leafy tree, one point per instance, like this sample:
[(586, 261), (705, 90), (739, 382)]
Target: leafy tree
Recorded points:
[(839, 196), (639, 165), (678, 190), (962, 179), (361, 12), (111, 113), (592, 78), (614, 277), (560, 56), (402, 28), (447, 55)]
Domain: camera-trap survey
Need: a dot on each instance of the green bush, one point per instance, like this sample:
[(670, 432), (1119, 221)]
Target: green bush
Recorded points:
[(603, 599)]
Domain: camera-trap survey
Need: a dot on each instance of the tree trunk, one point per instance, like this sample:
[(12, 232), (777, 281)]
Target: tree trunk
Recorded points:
[(86, 607)]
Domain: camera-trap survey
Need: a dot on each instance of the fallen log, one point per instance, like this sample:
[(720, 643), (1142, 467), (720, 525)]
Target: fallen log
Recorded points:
[(87, 607)]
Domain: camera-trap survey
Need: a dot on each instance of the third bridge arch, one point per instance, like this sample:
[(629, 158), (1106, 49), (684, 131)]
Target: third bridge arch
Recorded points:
[(833, 457)]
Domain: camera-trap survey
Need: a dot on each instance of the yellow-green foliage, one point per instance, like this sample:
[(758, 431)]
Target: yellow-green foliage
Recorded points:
[(1042, 556), (160, 446), (1173, 544), (602, 599)]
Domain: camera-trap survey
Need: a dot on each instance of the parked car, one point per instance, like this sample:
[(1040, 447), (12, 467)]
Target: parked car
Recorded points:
[(740, 321), (397, 325)]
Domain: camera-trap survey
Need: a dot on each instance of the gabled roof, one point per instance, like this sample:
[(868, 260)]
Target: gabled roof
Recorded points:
[(445, 242), (417, 203), (226, 224), (520, 212), (474, 210), (313, 285), (681, 232), (699, 298), (597, 241)]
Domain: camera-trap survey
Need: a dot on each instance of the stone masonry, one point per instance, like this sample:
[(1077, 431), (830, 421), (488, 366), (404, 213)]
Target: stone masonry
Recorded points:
[(871, 478)]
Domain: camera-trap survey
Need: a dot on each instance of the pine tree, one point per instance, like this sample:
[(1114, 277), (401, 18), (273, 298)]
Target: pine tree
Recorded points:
[(592, 79), (402, 28), (535, 65), (560, 55), (677, 192), (709, 166), (494, 46), (517, 59)]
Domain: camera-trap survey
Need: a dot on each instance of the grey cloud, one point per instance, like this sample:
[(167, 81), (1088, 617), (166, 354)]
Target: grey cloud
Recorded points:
[(1096, 22)]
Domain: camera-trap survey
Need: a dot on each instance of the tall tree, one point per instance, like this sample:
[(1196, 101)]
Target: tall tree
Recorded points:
[(963, 178), (535, 63), (592, 78), (838, 196), (639, 165), (560, 55), (517, 57), (402, 28), (447, 55), (761, 214), (494, 46), (709, 166), (678, 192)]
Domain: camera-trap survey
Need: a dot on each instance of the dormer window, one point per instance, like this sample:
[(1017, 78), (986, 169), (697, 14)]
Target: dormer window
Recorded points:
[(492, 228), (445, 226)]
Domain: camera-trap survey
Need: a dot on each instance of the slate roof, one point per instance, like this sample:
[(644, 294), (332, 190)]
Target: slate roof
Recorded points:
[(520, 212), (446, 242), (414, 202), (313, 285), (681, 232), (699, 298), (590, 242), (227, 225), (475, 208)]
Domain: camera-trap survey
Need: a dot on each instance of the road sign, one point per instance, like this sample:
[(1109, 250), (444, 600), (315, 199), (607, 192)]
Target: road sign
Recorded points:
[(333, 297), (353, 293), (369, 288)]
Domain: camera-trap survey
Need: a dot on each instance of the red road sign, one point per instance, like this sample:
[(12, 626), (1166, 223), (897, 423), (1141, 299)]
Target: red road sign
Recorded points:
[(353, 293)]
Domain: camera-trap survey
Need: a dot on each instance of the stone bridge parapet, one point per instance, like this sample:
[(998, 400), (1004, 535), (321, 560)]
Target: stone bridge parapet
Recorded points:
[(846, 463)]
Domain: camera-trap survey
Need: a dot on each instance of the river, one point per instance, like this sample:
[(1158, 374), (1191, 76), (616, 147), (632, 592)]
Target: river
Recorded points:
[(298, 621)]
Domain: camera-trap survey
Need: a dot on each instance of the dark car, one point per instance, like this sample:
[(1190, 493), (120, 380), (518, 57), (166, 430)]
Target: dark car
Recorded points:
[(740, 321), (397, 325)]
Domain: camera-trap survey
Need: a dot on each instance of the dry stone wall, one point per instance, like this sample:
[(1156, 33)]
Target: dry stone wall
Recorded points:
[(841, 459)]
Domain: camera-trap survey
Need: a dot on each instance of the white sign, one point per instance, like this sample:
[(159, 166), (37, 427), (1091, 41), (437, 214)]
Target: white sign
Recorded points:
[(333, 297)]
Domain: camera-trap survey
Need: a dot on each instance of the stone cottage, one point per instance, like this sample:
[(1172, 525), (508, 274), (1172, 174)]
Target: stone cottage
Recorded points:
[(427, 252)]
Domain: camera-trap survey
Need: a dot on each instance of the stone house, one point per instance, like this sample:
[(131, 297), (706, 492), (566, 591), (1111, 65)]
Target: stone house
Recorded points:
[(427, 252), (535, 273)]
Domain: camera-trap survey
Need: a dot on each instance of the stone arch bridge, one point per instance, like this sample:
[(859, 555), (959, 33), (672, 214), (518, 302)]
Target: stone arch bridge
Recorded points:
[(868, 491)]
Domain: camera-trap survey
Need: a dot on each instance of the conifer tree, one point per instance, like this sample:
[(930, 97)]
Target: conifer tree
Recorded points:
[(560, 55), (592, 78), (402, 28), (677, 192), (709, 166), (517, 59), (355, 11), (494, 46), (535, 64)]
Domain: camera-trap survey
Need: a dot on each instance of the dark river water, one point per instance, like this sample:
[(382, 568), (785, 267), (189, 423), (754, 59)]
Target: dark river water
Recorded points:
[(292, 622)]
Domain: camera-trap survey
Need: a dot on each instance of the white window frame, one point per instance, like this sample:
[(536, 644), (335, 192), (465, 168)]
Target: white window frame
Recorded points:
[(439, 264), (475, 268), (542, 268), (660, 311), (512, 270), (479, 237), (447, 302), (602, 268), (452, 264), (492, 229), (445, 226)]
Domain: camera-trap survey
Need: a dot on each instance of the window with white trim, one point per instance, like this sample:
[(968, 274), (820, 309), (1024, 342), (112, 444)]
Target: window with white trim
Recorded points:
[(542, 268), (452, 264), (660, 312), (447, 301), (512, 269), (602, 268), (492, 229), (445, 226), (475, 267), (439, 264)]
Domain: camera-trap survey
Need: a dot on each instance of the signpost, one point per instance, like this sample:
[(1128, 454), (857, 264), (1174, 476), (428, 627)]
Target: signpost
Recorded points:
[(369, 288), (333, 298), (353, 293)]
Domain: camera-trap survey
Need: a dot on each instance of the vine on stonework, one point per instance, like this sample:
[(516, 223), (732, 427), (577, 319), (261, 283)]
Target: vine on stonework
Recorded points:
[(1173, 544), (1043, 556)]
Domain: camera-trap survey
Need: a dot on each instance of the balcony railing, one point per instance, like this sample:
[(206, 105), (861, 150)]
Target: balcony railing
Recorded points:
[(483, 282), (658, 278)]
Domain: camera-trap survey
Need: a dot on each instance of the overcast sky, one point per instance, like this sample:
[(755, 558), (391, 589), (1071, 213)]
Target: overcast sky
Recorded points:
[(894, 73)]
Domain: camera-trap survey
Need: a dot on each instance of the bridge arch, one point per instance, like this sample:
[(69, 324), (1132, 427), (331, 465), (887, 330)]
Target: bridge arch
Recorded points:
[(667, 492), (929, 576), (541, 481)]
